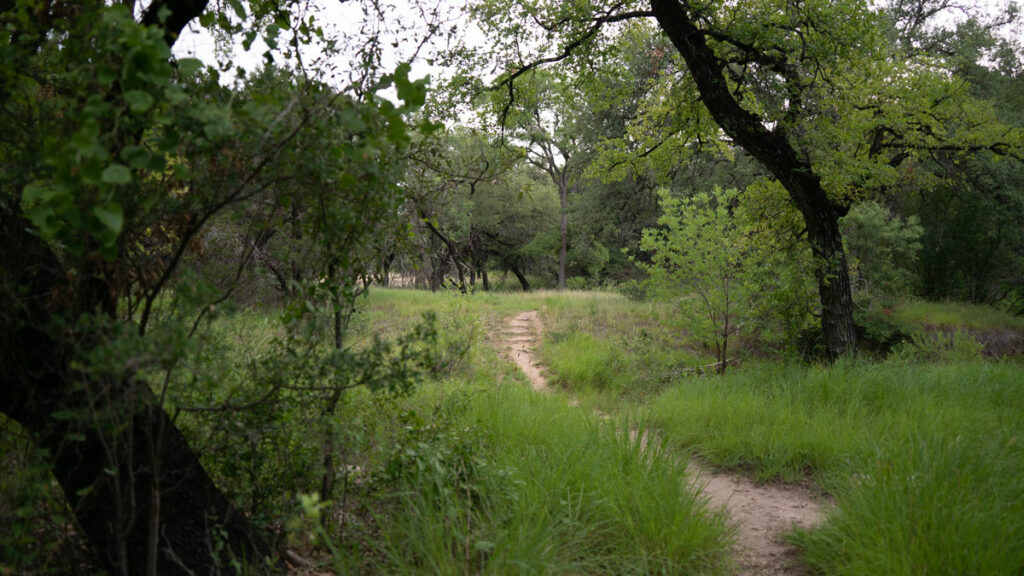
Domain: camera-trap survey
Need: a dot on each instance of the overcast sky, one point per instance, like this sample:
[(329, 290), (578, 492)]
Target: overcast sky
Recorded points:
[(402, 24)]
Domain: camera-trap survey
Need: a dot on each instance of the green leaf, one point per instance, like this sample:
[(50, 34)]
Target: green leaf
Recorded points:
[(238, 8), (413, 93), (116, 174), (38, 193), (110, 215), (189, 66), (138, 101), (175, 95), (105, 76)]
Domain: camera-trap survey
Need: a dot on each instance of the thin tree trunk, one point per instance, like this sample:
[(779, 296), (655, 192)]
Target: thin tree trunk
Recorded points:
[(563, 231), (521, 277), (453, 253)]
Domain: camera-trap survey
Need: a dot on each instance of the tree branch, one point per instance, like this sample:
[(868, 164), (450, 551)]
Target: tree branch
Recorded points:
[(172, 16)]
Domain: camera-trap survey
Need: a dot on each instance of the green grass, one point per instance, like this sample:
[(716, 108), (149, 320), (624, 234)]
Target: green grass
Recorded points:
[(956, 315), (782, 421), (475, 473), (925, 462), (608, 350), (950, 503), (553, 491), (923, 459)]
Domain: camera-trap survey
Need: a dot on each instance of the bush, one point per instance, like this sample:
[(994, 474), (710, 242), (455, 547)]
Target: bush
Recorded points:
[(939, 346), (882, 249)]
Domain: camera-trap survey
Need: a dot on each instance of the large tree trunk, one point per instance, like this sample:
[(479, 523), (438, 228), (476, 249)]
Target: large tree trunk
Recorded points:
[(773, 149), (139, 493)]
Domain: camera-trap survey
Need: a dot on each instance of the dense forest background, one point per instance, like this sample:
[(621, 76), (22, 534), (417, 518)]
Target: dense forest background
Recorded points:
[(191, 381)]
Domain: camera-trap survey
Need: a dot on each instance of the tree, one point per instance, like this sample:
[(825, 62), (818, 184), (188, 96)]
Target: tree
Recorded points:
[(811, 91), (543, 123), (448, 170), (476, 199), (114, 167), (699, 247), (969, 205)]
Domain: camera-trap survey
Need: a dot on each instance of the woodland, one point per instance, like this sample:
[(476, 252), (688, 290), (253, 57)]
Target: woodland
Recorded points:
[(271, 318)]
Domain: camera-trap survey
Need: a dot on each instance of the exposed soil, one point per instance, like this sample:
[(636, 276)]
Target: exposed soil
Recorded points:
[(522, 332), (761, 514)]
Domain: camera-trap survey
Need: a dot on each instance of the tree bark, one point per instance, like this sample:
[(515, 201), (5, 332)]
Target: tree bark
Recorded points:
[(140, 495), (563, 232), (137, 489), (773, 149)]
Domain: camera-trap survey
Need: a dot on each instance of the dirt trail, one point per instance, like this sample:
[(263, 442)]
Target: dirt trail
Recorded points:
[(522, 333), (762, 514)]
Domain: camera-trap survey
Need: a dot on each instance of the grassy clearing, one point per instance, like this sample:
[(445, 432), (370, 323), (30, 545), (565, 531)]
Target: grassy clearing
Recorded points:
[(924, 461), (607, 349), (923, 454), (472, 473), (952, 315), (494, 478), (476, 473), (784, 421)]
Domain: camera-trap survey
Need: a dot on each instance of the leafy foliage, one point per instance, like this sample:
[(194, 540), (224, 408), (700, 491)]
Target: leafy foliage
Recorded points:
[(883, 250), (698, 259)]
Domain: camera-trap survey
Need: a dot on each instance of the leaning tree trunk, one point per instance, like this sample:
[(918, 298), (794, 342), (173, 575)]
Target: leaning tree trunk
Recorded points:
[(773, 149), (520, 276), (139, 492)]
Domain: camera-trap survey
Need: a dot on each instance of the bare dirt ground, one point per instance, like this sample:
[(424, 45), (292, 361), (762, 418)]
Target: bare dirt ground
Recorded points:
[(761, 514), (522, 333)]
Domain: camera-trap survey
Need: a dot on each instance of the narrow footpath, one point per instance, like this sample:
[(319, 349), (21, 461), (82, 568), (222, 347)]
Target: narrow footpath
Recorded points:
[(761, 514)]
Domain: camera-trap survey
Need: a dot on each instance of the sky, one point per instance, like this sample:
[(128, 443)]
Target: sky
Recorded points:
[(401, 22)]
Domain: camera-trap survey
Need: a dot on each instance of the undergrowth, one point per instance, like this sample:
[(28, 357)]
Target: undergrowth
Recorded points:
[(473, 472)]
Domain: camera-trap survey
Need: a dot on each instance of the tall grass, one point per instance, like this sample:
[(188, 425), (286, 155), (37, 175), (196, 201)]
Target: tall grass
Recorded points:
[(937, 504), (607, 349), (475, 473), (552, 491), (925, 461), (782, 421), (956, 315)]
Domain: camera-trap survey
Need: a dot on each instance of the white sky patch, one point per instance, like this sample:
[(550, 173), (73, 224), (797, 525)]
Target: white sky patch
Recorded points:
[(406, 31), (401, 27)]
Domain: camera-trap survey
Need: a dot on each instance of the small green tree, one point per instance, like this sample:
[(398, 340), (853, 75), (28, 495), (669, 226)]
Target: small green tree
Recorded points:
[(698, 261)]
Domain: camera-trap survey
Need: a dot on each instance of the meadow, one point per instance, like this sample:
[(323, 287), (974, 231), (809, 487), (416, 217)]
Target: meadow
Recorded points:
[(920, 454), (918, 457)]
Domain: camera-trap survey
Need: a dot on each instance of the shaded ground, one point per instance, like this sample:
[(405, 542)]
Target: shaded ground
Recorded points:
[(761, 514)]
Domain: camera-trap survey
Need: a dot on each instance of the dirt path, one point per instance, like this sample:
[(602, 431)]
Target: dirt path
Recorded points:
[(762, 514), (522, 333)]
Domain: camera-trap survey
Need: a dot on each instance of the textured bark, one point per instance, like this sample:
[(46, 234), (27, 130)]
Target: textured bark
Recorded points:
[(773, 149), (138, 491)]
